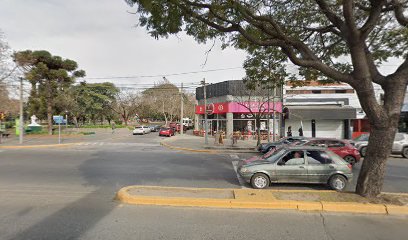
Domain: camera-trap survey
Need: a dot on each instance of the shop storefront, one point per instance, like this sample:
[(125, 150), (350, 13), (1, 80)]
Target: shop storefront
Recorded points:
[(232, 117)]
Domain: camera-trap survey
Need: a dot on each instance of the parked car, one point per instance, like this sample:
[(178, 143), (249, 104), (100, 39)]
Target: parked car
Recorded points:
[(266, 147), (178, 128), (298, 164), (166, 132), (343, 148), (173, 125), (154, 128), (400, 145), (141, 130)]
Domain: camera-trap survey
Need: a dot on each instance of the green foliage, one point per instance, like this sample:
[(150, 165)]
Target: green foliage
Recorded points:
[(49, 76), (311, 34)]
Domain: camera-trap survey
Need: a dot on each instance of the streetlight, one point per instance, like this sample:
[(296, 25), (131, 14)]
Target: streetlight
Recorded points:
[(205, 112)]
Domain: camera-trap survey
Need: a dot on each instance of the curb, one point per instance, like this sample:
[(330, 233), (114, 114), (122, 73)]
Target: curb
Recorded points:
[(305, 206), (211, 151), (38, 146)]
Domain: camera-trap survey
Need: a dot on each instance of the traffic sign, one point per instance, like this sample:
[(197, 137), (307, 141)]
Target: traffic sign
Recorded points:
[(58, 119)]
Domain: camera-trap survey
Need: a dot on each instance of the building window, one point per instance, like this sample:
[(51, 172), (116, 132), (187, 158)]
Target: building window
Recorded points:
[(341, 91), (316, 91)]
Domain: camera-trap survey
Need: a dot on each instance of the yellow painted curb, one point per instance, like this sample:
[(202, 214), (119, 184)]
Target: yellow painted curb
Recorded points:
[(38, 146), (397, 210), (310, 206), (249, 203), (354, 207)]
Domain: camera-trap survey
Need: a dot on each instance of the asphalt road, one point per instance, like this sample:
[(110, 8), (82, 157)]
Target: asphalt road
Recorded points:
[(67, 193)]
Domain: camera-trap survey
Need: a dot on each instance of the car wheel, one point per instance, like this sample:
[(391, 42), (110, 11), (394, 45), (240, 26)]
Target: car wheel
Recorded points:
[(350, 159), (338, 183), (260, 181), (405, 152), (363, 151)]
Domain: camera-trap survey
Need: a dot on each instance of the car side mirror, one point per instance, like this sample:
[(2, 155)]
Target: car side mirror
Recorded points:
[(280, 163)]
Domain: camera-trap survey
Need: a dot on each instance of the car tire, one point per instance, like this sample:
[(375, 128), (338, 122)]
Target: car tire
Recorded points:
[(405, 152), (363, 151), (350, 159), (338, 183), (260, 181)]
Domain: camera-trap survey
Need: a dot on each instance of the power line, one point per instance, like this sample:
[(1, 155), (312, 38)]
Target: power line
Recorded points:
[(163, 75)]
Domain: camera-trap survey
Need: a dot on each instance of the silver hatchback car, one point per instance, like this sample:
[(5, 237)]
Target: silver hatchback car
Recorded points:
[(399, 146), (298, 164)]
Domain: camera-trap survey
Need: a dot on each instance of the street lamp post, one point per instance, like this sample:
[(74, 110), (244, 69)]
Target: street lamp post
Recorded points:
[(205, 113)]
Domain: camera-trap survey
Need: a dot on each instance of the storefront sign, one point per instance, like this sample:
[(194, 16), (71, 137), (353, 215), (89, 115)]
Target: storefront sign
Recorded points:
[(235, 107)]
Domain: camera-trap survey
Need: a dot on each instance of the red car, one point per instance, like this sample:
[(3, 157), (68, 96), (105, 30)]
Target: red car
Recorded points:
[(343, 148), (166, 132)]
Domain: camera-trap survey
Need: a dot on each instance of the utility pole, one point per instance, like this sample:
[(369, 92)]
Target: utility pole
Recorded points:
[(181, 110), (269, 118), (21, 138), (273, 112), (205, 112)]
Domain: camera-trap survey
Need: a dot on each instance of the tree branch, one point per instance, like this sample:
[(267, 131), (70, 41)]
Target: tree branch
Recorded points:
[(333, 17), (375, 14), (399, 13)]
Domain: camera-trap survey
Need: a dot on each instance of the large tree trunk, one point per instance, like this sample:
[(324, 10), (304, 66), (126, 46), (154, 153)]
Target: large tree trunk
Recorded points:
[(370, 180), (384, 122)]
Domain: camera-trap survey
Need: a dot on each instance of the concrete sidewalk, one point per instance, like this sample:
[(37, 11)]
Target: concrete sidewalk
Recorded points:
[(302, 200), (197, 144), (73, 137)]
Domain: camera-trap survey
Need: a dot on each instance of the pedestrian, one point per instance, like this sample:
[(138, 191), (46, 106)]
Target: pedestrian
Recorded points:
[(300, 132), (289, 133), (113, 127)]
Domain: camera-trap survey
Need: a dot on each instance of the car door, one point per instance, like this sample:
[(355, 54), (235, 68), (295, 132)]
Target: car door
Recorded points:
[(319, 166), (398, 143), (291, 169)]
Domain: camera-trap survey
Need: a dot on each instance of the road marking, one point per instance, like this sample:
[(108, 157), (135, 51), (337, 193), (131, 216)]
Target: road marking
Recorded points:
[(234, 156), (240, 179)]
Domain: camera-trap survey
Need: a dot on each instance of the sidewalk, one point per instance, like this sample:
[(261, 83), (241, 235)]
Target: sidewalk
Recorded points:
[(302, 200), (197, 144), (77, 136)]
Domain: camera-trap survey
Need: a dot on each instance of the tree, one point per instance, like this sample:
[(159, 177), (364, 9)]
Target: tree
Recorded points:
[(126, 105), (164, 98), (48, 76), (345, 41), (88, 101), (255, 99)]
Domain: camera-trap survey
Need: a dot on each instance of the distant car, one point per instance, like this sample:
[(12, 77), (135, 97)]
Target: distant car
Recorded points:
[(154, 128), (166, 132), (298, 164), (266, 147), (343, 148), (178, 128), (141, 130), (400, 145)]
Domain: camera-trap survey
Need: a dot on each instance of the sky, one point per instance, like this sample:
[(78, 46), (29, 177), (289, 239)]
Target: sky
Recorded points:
[(102, 37)]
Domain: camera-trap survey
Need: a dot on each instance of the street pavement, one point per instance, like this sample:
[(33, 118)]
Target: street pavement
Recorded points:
[(67, 193)]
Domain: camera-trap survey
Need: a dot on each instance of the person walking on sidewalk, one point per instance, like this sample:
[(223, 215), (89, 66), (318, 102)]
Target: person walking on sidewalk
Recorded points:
[(300, 132), (289, 133)]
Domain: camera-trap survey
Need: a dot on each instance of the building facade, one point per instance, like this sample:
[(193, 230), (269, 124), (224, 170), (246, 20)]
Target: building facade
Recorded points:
[(231, 107)]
